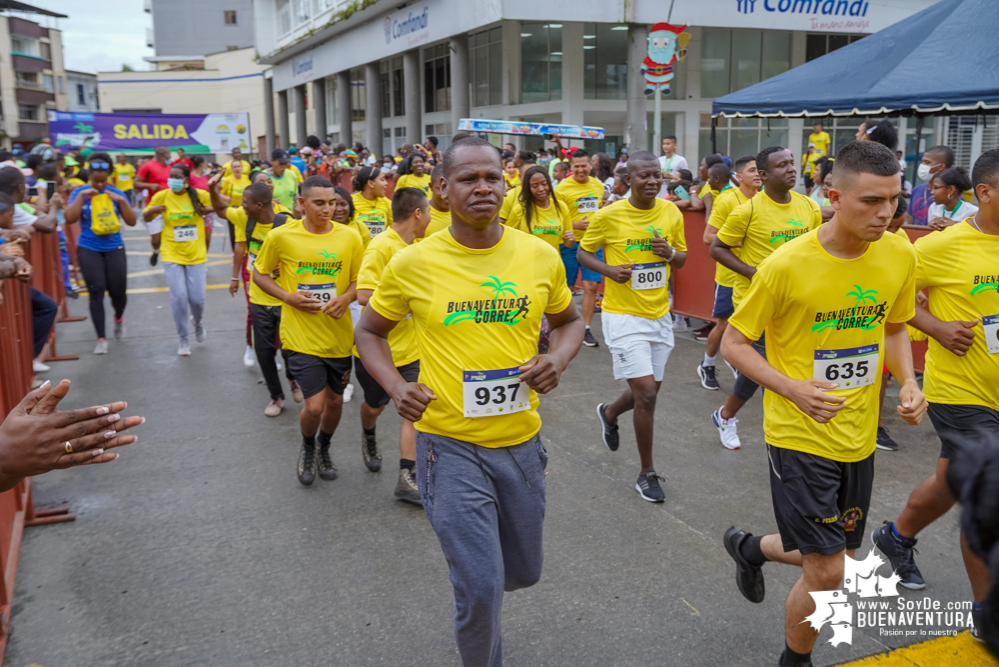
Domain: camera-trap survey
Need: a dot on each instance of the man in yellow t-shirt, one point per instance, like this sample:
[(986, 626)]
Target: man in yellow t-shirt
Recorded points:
[(237, 156), (643, 239), (584, 195), (760, 226), (318, 261), (827, 338), (749, 185), (440, 212), (477, 309), (961, 380), (820, 138), (411, 214), (234, 184), (124, 176)]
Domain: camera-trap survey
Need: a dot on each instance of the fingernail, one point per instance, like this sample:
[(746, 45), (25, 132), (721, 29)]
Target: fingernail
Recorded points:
[(115, 417), (98, 452), (45, 385), (114, 459), (110, 434), (103, 410), (143, 420)]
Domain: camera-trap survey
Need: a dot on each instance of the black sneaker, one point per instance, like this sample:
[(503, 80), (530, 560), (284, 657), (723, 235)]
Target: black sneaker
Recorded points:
[(155, 257), (900, 556), (977, 618), (707, 375), (780, 661), (884, 441), (327, 470), (73, 293), (748, 577), (648, 487), (307, 465), (589, 340), (371, 453), (608, 429)]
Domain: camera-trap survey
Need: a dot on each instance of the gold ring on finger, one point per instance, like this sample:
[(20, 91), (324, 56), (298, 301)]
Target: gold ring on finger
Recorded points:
[(69, 447)]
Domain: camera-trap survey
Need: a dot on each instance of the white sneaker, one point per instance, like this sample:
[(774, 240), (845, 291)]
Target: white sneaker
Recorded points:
[(273, 408), (277, 360), (680, 323), (347, 393), (735, 373), (39, 367), (102, 346), (199, 332), (249, 358), (184, 350), (727, 430)]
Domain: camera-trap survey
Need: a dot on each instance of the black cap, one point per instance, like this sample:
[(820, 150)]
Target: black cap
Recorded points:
[(281, 155)]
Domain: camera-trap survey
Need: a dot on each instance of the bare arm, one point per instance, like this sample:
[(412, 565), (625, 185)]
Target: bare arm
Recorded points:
[(238, 252), (723, 254), (543, 372), (955, 336), (619, 274), (898, 357), (218, 202), (364, 295), (300, 300)]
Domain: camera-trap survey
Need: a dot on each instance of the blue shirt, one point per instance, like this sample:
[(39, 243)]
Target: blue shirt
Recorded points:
[(298, 162), (919, 205), (87, 238)]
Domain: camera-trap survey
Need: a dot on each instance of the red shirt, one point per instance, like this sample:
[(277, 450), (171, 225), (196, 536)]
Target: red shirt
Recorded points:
[(154, 172), (186, 162), (199, 182)]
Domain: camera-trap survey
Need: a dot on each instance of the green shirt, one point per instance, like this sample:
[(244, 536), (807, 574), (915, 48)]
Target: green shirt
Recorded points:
[(285, 188)]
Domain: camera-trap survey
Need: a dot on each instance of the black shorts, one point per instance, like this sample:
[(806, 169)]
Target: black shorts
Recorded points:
[(961, 426), (809, 182), (374, 395), (314, 374), (820, 504)]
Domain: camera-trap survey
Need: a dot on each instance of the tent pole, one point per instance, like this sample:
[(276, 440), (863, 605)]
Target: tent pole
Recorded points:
[(918, 158), (714, 124)]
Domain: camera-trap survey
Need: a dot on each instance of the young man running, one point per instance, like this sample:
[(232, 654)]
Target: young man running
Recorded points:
[(760, 226), (584, 195), (827, 338), (749, 185), (411, 214), (318, 262), (643, 239), (961, 380), (440, 212), (477, 311)]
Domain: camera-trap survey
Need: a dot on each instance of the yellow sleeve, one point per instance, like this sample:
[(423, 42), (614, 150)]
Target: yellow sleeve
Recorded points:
[(508, 203), (756, 309), (563, 214), (372, 266), (816, 214), (560, 297), (232, 214), (356, 256), (156, 200), (269, 257), (733, 231), (388, 299), (227, 186), (204, 197), (677, 236), (720, 211), (926, 265), (388, 213), (904, 308), (362, 231), (594, 236), (517, 219)]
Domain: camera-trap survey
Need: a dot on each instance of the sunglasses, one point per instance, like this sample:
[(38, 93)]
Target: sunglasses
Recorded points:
[(100, 165)]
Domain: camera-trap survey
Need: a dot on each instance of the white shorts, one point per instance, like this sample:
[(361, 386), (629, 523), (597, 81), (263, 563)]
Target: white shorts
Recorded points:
[(156, 226), (639, 346)]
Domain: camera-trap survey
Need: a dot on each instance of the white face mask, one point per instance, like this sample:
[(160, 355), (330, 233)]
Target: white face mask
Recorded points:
[(923, 171)]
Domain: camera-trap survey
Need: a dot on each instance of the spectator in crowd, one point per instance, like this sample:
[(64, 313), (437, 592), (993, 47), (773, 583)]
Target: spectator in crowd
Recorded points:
[(881, 132), (183, 159), (820, 139), (948, 205), (935, 160), (296, 159)]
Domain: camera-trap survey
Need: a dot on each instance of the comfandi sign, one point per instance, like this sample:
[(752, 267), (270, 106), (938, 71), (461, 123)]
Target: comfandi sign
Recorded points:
[(196, 133), (849, 16), (409, 27)]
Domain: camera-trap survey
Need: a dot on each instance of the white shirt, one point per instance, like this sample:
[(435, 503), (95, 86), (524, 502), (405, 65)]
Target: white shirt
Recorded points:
[(22, 217), (963, 210), (676, 163)]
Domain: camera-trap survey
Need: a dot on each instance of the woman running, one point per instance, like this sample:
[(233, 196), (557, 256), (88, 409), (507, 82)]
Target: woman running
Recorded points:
[(371, 207), (413, 176)]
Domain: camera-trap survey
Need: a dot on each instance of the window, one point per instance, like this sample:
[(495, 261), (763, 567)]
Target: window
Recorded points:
[(390, 76), (28, 112), (842, 131), (383, 88), (59, 82), (742, 136), (443, 133), (398, 88), (358, 94), (24, 46), (817, 46), (735, 59), (81, 95), (26, 80), (230, 16), (605, 52), (332, 102), (302, 12), (486, 55), (324, 5), (437, 79), (284, 16), (45, 50), (48, 83), (541, 62)]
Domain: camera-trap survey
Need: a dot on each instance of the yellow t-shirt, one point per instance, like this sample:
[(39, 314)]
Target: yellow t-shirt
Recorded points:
[(183, 237), (708, 190), (841, 305), (233, 188), (821, 141), (124, 176), (376, 215), (237, 216), (762, 225), (313, 261), (511, 181), (959, 267), (474, 310), (227, 168), (808, 163), (362, 231), (583, 199), (512, 197), (414, 181), (438, 220), (724, 204), (298, 174), (548, 224), (402, 339), (626, 233)]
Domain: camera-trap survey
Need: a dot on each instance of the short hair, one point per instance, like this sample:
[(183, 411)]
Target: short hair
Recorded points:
[(100, 157), (986, 169), (763, 157), (6, 203), (312, 141), (902, 208), (866, 157), (719, 169), (469, 142), (10, 179), (255, 175), (579, 152), (459, 136), (261, 193), (526, 157), (744, 161), (315, 182), (882, 132), (33, 161), (436, 173), (956, 176), (160, 149), (432, 140), (561, 164), (49, 171), (685, 175), (946, 152), (405, 201), (670, 136), (641, 155)]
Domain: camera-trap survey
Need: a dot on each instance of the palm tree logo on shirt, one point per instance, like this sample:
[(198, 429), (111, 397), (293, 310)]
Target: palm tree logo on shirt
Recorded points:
[(645, 244), (856, 317), (499, 287), (505, 307), (862, 296), (985, 287), (329, 266)]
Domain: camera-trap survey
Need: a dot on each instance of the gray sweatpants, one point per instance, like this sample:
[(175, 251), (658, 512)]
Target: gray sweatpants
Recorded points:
[(487, 507), (187, 287)]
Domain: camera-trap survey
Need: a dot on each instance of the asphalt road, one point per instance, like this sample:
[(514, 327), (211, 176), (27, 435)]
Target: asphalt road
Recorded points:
[(199, 547)]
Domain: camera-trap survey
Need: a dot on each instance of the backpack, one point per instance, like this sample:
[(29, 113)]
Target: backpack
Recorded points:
[(279, 219)]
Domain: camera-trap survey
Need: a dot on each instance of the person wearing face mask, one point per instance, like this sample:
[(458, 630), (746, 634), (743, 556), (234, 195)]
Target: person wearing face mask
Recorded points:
[(935, 160), (184, 247), (101, 208)]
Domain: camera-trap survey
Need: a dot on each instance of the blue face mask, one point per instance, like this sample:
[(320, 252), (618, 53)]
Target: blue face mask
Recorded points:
[(175, 184)]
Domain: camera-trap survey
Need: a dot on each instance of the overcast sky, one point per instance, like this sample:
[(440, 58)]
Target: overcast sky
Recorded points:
[(99, 35)]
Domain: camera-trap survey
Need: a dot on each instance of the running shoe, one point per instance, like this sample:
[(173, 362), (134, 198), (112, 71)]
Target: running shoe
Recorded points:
[(589, 340), (327, 470), (72, 293), (977, 618), (748, 577), (274, 408), (277, 361), (680, 323), (119, 328), (707, 375), (39, 367), (732, 368), (727, 430), (102, 346), (885, 441), (705, 331), (899, 551), (406, 488), (307, 465), (348, 393), (370, 451), (648, 487), (608, 429), (184, 350), (296, 391), (154, 258), (249, 358), (199, 331)]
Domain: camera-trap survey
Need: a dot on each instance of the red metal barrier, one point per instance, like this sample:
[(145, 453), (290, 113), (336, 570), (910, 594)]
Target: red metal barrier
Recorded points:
[(43, 255)]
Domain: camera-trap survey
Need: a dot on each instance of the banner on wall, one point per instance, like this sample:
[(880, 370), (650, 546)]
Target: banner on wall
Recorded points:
[(529, 129), (195, 133)]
